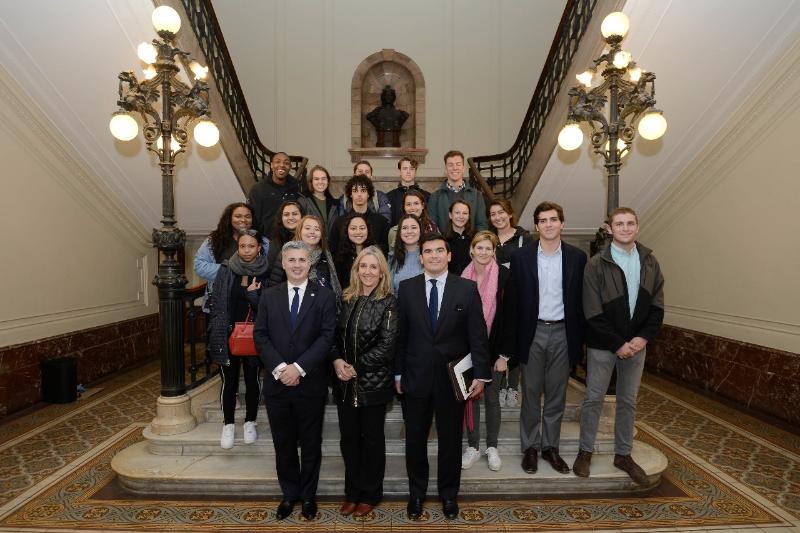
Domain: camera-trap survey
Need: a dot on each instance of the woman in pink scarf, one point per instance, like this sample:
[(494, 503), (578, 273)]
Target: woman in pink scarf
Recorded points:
[(495, 287)]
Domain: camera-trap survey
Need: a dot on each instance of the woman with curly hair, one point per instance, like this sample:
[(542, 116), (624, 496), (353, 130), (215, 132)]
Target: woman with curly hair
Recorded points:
[(221, 243)]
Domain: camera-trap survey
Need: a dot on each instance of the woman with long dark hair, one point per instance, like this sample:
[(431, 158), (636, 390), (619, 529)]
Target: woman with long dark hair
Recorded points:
[(235, 299), (354, 237), (221, 243), (283, 227), (317, 198), (404, 257), (458, 234), (414, 203), (363, 360), (498, 300)]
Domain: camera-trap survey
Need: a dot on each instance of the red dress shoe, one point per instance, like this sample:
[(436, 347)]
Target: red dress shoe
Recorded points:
[(363, 509), (347, 508)]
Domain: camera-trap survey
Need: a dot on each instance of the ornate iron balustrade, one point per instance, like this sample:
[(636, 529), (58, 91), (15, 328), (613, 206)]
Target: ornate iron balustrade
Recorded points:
[(502, 172), (206, 28), (194, 341)]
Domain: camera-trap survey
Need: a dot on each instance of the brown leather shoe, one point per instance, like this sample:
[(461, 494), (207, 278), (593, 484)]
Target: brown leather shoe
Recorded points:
[(551, 456), (629, 466), (530, 461), (581, 465), (347, 508), (363, 509)]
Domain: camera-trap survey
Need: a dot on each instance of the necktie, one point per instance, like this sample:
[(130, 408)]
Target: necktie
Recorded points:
[(433, 304), (295, 306)]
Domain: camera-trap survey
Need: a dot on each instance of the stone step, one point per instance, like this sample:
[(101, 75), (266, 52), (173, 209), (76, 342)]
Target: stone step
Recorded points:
[(204, 440), (213, 413), (141, 472)]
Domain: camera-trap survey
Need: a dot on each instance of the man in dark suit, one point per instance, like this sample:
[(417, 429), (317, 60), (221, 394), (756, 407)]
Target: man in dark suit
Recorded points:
[(440, 320), (293, 333), (550, 330)]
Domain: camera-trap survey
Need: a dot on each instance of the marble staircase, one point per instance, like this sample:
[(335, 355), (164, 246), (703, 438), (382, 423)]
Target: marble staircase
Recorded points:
[(194, 463)]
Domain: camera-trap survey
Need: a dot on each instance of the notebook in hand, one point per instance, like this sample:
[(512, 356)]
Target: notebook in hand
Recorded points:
[(461, 376)]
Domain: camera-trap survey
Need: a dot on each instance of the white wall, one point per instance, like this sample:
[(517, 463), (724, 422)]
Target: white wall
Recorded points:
[(726, 232), (73, 256), (295, 60)]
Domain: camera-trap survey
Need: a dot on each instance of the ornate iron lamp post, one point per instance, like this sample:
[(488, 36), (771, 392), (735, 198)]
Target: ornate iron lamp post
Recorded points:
[(627, 94), (166, 134)]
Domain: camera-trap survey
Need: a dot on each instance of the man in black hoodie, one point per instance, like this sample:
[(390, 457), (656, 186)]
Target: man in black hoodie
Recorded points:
[(408, 174), (268, 194), (623, 302)]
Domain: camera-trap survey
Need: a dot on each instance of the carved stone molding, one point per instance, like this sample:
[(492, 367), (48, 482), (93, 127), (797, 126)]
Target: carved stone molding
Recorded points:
[(388, 67)]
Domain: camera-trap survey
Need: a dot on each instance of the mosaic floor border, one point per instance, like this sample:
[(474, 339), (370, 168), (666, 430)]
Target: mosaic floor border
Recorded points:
[(71, 501)]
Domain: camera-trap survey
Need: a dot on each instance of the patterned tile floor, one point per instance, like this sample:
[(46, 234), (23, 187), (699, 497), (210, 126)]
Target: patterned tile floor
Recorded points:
[(727, 471)]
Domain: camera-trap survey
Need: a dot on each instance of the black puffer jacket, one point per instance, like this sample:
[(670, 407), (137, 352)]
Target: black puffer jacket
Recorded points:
[(220, 322), (370, 348)]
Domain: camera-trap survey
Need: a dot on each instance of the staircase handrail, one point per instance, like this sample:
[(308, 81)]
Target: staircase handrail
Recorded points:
[(506, 169)]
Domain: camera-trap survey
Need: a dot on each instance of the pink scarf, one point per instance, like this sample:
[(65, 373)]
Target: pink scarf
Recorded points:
[(487, 289), (488, 292)]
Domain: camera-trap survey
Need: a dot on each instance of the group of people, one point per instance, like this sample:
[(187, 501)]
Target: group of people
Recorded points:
[(373, 294)]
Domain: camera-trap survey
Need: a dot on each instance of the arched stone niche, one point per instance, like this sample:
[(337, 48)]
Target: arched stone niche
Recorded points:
[(388, 67)]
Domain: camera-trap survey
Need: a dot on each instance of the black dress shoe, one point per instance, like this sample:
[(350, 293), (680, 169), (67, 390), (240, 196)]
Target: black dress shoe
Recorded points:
[(530, 462), (284, 509), (450, 509), (309, 510), (555, 460), (414, 508)]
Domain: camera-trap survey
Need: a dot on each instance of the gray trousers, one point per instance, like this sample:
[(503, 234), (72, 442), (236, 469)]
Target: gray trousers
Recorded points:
[(600, 365), (491, 398), (546, 372)]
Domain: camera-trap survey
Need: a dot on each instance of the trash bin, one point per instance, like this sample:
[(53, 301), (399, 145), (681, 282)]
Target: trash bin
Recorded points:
[(60, 380)]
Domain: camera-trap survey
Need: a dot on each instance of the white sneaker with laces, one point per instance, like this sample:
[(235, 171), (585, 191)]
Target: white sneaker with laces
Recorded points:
[(502, 397), (469, 458), (226, 440), (511, 398), (494, 459), (250, 433)]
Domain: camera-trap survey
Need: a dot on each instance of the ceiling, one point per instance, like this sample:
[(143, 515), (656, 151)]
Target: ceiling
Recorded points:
[(708, 56)]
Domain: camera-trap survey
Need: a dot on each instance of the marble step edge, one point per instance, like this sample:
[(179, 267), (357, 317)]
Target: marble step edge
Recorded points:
[(141, 472), (212, 412), (204, 440)]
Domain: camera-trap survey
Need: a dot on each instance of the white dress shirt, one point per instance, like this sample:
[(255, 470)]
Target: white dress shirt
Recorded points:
[(276, 372)]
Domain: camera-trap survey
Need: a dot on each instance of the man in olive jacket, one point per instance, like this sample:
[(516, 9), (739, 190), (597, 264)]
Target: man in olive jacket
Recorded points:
[(623, 301)]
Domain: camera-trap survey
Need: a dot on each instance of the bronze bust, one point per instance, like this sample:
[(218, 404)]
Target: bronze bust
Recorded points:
[(387, 119)]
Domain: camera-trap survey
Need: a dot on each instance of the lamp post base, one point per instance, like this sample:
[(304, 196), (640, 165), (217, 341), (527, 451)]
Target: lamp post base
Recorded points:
[(173, 415)]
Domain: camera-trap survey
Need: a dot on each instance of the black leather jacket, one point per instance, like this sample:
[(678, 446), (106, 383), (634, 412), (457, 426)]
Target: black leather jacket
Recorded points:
[(370, 347)]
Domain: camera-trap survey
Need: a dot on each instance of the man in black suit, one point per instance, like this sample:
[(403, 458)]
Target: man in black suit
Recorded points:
[(293, 333), (550, 330), (440, 320)]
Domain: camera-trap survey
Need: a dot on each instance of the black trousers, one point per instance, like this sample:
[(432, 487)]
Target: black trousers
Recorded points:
[(364, 451), (230, 386), (449, 413), (292, 419)]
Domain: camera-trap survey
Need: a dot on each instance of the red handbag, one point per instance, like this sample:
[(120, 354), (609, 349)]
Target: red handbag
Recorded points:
[(241, 341)]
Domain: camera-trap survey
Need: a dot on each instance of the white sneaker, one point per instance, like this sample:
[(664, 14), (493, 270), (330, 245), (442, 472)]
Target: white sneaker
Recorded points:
[(469, 458), (502, 397), (494, 459), (226, 440), (250, 433), (511, 398)]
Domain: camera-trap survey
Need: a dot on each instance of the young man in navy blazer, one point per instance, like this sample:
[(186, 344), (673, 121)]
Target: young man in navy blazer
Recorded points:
[(550, 331), (440, 319), (294, 332)]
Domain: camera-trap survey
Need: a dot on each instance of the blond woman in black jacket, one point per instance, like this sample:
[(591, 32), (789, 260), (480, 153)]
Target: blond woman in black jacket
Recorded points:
[(363, 360)]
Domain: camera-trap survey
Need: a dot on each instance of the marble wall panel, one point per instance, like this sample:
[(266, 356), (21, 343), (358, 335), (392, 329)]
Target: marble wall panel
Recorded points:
[(100, 351), (755, 377)]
